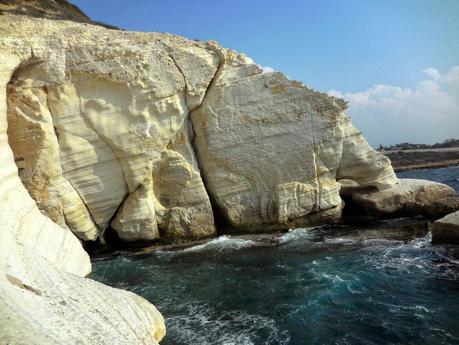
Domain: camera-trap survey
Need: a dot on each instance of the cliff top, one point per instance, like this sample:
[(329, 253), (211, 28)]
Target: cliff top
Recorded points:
[(49, 9)]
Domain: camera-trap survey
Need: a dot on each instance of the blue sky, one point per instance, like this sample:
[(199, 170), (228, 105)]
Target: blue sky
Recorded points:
[(344, 46)]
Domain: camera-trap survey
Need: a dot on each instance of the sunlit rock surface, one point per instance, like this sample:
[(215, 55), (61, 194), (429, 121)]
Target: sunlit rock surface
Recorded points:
[(164, 125), (146, 135), (45, 298), (92, 125), (271, 149)]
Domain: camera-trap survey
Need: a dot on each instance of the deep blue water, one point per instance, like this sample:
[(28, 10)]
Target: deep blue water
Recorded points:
[(302, 292), (449, 176)]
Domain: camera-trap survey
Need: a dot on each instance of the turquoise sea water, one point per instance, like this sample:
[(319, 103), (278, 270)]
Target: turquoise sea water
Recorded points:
[(336, 291)]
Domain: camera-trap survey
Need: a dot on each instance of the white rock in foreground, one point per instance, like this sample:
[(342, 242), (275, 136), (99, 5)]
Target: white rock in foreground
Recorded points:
[(45, 298)]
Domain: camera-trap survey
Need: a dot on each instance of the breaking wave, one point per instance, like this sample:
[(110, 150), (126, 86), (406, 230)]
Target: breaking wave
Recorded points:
[(222, 244)]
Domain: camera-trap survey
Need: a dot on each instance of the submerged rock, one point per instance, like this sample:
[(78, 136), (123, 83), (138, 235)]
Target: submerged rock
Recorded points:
[(446, 229)]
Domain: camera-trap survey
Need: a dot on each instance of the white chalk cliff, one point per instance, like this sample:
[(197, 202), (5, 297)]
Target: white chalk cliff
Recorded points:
[(138, 132), (147, 135)]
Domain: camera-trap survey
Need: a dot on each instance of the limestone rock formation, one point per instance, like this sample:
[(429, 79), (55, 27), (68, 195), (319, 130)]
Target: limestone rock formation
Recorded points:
[(272, 149), (163, 125), (446, 229), (147, 135), (45, 298), (409, 197), (137, 133), (97, 128)]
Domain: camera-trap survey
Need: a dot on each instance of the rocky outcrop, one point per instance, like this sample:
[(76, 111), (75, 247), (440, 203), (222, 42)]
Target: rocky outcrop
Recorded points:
[(99, 131), (138, 133), (45, 298), (409, 197), (50, 9), (152, 137), (272, 149), (446, 229)]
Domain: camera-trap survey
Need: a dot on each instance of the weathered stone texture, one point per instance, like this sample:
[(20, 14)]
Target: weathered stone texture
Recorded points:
[(146, 134)]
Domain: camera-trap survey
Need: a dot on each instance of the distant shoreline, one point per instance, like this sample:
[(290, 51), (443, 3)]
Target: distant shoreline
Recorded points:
[(426, 166), (405, 160)]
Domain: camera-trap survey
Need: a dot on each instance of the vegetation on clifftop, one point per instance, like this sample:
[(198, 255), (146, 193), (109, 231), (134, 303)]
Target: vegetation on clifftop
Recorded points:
[(408, 146)]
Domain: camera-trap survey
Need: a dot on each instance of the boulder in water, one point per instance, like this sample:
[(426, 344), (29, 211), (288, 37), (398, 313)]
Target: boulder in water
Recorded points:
[(446, 229), (409, 197)]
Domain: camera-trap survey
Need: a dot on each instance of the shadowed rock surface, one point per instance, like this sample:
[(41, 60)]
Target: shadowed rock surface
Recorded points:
[(55, 9), (446, 229)]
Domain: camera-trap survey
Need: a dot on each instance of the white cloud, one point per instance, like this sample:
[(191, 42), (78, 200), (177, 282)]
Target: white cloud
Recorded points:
[(267, 69), (425, 114), (432, 73)]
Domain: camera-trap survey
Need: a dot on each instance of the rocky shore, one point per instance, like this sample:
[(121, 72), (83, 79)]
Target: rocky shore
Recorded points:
[(405, 160), (109, 135), (399, 229)]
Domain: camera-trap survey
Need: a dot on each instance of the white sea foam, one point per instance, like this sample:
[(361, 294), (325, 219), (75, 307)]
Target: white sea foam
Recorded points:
[(398, 308), (339, 240), (421, 242), (202, 324), (335, 279), (294, 235), (222, 243)]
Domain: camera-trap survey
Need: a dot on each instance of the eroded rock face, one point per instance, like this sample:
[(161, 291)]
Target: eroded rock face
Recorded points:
[(272, 149), (94, 125), (139, 132), (45, 298)]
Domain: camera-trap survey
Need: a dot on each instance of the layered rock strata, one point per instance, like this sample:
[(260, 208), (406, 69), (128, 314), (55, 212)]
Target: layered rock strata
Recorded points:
[(147, 135), (100, 130), (139, 132), (45, 298)]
